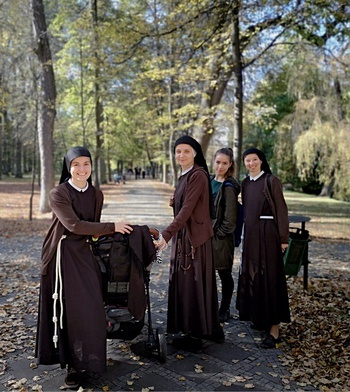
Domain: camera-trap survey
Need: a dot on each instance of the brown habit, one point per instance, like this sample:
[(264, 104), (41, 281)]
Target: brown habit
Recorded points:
[(192, 301), (262, 295), (82, 340)]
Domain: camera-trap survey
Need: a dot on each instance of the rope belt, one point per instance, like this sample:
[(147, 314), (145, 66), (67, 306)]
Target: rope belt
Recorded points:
[(58, 293), (266, 217)]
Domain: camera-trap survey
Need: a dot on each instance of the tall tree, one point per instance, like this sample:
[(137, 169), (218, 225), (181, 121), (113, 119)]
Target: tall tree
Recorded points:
[(48, 104), (97, 91), (238, 89)]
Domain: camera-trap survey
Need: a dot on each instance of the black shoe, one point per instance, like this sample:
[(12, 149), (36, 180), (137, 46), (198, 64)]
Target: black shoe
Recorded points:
[(224, 316), (270, 342), (187, 343), (72, 379)]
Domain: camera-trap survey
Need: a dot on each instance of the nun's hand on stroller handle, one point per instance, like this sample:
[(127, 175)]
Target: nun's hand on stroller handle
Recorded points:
[(160, 244), (123, 227)]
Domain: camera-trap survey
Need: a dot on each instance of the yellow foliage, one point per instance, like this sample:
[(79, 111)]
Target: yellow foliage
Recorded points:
[(324, 148)]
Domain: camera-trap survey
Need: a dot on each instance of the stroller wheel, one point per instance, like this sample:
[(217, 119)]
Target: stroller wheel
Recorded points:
[(161, 343)]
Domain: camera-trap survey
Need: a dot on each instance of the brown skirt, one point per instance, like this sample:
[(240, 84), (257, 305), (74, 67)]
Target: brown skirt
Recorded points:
[(192, 300), (82, 340)]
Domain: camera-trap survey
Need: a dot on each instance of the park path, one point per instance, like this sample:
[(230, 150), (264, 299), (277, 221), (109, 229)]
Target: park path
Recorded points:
[(236, 365), (142, 202)]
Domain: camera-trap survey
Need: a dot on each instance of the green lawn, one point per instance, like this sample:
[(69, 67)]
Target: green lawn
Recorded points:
[(329, 218)]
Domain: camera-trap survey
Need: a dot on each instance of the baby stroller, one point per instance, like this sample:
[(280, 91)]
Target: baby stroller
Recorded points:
[(125, 262)]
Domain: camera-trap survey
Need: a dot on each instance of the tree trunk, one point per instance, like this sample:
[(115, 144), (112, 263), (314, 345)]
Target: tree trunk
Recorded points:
[(98, 103), (82, 95), (2, 135), (34, 148), (211, 98), (19, 147), (48, 109), (238, 92), (222, 70), (327, 189)]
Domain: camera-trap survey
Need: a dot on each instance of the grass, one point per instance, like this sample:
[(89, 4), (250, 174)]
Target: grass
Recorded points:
[(329, 218)]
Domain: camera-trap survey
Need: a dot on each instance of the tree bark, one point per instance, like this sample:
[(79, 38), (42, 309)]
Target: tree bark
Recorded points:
[(2, 135), (18, 161), (48, 105), (98, 104), (327, 189), (238, 92)]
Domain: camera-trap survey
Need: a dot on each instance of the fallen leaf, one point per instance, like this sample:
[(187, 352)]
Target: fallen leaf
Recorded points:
[(239, 379), (198, 368)]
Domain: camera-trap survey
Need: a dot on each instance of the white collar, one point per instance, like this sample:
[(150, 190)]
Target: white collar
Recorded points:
[(186, 171), (257, 177), (70, 182)]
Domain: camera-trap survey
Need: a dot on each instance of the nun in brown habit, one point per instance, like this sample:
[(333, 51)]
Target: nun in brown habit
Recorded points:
[(262, 295), (192, 301), (71, 321)]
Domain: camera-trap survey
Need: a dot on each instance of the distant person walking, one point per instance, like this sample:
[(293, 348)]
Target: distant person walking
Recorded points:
[(225, 189), (192, 300), (72, 321), (262, 296)]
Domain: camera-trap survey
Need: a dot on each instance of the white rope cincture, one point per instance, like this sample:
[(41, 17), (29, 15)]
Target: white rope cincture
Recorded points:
[(58, 293)]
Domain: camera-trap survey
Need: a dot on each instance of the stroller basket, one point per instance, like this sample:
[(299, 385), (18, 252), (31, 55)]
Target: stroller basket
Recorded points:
[(295, 254)]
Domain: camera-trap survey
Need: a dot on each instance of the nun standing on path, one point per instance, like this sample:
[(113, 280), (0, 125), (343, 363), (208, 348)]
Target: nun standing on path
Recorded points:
[(71, 321), (262, 296), (192, 299)]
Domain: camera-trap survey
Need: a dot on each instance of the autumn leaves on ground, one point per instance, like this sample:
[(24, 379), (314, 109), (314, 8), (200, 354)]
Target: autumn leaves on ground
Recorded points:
[(316, 343)]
